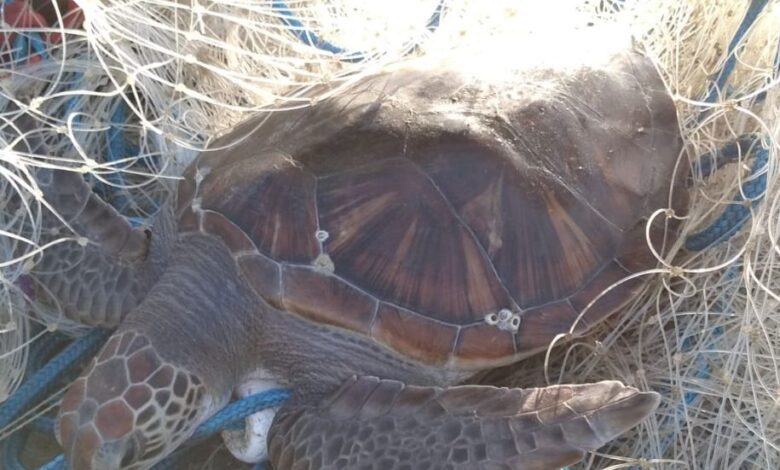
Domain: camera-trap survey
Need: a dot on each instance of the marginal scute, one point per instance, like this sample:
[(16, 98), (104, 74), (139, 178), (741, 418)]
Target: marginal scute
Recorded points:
[(635, 255), (483, 345), (264, 276), (414, 335), (605, 301), (326, 299), (189, 220), (541, 325), (218, 225)]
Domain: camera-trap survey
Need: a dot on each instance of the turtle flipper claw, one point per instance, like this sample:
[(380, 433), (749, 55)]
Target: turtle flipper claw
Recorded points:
[(373, 423)]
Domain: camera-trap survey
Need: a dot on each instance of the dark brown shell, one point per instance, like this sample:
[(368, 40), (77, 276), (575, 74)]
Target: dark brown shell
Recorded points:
[(444, 200)]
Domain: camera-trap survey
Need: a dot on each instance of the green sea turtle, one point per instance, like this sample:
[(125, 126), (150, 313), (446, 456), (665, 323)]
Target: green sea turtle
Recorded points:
[(371, 252)]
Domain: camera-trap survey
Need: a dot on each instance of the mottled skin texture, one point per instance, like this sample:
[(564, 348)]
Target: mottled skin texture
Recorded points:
[(96, 280), (370, 253), (377, 424)]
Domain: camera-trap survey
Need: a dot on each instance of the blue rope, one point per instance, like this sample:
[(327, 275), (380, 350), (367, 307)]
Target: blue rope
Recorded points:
[(707, 163), (39, 383), (34, 387), (21, 50), (229, 417), (226, 418), (751, 15), (737, 212), (37, 44), (238, 410), (57, 463)]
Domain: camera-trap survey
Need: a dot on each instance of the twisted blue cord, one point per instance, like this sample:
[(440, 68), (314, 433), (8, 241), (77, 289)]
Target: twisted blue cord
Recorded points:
[(707, 163), (737, 213), (238, 410), (21, 50), (229, 417), (47, 376), (226, 418), (57, 463), (39, 383), (751, 15)]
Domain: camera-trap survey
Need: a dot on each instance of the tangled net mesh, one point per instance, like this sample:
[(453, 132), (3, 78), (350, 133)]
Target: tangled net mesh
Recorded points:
[(130, 98)]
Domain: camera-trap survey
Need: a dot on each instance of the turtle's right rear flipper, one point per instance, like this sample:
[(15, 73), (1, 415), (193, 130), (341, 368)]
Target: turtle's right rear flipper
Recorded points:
[(96, 267), (383, 424)]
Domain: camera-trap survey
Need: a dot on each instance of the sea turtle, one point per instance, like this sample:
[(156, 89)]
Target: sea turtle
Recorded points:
[(371, 252)]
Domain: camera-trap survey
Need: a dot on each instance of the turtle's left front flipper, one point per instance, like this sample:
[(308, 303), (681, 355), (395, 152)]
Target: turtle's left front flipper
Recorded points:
[(383, 424), (97, 267)]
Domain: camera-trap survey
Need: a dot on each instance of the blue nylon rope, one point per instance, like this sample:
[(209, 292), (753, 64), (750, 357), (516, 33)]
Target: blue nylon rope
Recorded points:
[(709, 162), (736, 214), (57, 463), (226, 418), (238, 410), (751, 15), (229, 417), (39, 383), (21, 50), (34, 387)]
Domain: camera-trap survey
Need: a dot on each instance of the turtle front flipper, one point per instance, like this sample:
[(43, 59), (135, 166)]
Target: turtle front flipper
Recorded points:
[(102, 271), (173, 361), (383, 424)]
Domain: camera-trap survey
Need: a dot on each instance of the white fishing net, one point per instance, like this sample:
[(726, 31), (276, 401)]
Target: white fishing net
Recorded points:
[(146, 83)]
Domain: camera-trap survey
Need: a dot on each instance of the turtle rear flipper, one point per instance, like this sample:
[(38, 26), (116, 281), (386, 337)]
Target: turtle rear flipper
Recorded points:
[(383, 424), (104, 269)]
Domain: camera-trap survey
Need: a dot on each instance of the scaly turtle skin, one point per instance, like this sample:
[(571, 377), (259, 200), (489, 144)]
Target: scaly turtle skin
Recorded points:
[(371, 252)]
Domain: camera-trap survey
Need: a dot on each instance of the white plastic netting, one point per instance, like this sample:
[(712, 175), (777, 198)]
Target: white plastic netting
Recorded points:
[(144, 84)]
